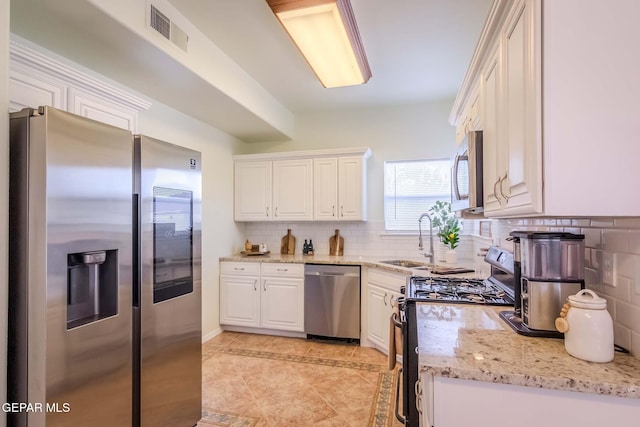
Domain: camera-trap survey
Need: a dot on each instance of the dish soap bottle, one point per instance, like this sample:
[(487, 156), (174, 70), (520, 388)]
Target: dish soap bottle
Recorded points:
[(305, 247), (310, 247)]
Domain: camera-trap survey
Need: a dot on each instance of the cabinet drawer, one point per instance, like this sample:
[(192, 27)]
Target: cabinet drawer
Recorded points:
[(240, 268), (275, 269), (387, 280)]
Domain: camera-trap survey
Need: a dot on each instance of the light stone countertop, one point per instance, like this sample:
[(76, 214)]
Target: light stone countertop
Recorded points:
[(473, 343), (481, 269)]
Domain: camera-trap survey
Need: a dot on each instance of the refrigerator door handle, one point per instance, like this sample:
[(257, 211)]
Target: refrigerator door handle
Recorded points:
[(137, 279)]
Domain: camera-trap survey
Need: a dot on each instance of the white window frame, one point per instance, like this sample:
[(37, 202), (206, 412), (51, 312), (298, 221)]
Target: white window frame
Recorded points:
[(392, 195)]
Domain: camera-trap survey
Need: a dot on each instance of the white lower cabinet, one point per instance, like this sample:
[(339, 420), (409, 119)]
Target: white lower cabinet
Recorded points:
[(282, 297), (383, 290), (262, 295), (493, 405), (240, 293)]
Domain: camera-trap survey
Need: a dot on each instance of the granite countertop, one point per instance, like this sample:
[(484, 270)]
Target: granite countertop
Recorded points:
[(480, 270), (473, 343)]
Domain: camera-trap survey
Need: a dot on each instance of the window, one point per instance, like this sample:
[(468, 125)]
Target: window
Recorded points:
[(410, 188)]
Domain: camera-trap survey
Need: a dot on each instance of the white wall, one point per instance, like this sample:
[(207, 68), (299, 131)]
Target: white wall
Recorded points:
[(219, 232), (4, 186)]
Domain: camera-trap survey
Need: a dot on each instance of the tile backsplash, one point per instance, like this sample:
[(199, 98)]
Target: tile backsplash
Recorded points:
[(612, 242), (612, 264)]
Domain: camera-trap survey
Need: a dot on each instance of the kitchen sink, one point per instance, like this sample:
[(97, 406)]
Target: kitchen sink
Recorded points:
[(406, 263)]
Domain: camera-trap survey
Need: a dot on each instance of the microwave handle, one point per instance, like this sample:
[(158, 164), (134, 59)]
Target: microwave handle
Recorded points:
[(455, 173)]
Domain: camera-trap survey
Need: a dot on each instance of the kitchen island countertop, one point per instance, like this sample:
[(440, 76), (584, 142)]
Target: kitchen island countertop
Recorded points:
[(473, 343)]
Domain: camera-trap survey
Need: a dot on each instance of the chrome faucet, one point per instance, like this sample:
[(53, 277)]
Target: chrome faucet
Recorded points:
[(429, 255)]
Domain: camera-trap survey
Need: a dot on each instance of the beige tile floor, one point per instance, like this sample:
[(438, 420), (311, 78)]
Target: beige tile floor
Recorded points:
[(261, 380)]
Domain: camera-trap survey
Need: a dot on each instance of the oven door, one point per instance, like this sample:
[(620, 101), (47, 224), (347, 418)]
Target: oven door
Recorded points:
[(399, 324), (408, 375)]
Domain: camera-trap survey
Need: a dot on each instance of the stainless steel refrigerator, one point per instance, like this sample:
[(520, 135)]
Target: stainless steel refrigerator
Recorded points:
[(104, 276)]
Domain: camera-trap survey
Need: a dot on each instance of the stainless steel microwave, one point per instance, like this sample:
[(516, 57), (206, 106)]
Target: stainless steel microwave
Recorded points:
[(466, 176)]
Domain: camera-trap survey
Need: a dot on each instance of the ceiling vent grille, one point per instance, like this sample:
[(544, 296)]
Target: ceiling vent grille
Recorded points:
[(169, 30)]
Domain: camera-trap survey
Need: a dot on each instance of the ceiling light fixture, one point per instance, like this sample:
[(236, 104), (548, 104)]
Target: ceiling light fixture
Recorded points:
[(326, 34)]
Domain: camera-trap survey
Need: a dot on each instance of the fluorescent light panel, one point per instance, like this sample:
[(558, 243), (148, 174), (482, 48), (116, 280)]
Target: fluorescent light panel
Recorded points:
[(333, 51)]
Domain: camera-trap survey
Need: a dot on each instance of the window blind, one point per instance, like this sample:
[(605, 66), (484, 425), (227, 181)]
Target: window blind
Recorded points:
[(411, 187)]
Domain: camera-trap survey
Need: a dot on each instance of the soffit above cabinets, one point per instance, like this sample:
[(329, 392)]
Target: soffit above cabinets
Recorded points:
[(114, 39)]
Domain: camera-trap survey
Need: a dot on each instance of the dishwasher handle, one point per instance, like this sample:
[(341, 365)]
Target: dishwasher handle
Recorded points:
[(327, 273)]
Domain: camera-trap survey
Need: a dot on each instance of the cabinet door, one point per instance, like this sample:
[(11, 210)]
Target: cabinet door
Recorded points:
[(352, 202), (493, 153), (96, 108), (293, 190), (521, 182), (240, 300), (561, 408), (252, 191), (378, 314), (28, 91), (325, 189), (282, 304)]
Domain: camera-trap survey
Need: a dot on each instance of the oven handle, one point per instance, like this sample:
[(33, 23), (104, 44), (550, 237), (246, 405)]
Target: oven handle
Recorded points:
[(399, 417), (397, 323)]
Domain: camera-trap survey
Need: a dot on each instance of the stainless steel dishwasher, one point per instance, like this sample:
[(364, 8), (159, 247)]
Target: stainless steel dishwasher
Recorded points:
[(332, 301)]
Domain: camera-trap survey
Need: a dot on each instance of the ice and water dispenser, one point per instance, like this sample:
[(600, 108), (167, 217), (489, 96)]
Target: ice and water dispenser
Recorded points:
[(92, 286)]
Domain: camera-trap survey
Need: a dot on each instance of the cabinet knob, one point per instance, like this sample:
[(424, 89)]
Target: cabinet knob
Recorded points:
[(267, 210), (385, 298), (282, 269)]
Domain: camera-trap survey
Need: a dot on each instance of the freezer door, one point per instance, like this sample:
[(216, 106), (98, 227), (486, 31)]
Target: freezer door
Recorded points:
[(170, 291), (71, 231)]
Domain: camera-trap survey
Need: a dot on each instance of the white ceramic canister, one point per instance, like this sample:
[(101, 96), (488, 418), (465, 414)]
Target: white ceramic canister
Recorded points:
[(587, 327)]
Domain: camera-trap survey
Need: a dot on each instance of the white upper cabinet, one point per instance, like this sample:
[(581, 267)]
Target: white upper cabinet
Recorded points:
[(340, 189), (37, 80), (327, 185), (520, 180), (558, 108), (352, 201), (493, 158), (512, 167), (325, 189), (293, 190), (252, 188)]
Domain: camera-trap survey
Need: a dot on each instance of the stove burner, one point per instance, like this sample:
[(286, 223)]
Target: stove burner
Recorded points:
[(456, 289)]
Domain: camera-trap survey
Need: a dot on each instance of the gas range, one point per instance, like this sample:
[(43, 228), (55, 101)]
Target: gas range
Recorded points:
[(457, 290), (496, 290)]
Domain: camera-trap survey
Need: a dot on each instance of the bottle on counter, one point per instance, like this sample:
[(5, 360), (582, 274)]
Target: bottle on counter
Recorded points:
[(310, 247), (305, 248)]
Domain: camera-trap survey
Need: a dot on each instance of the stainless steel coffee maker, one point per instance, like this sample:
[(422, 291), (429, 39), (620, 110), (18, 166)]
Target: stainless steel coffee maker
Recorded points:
[(551, 269)]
